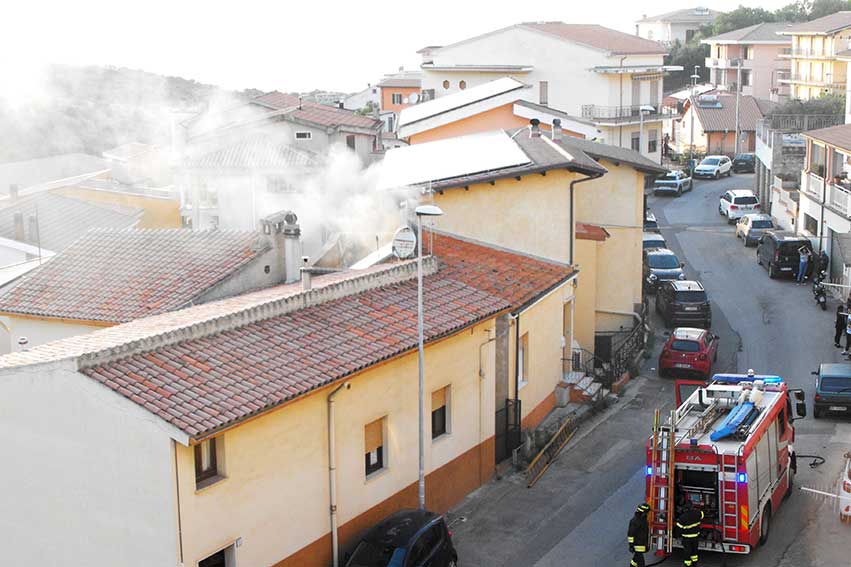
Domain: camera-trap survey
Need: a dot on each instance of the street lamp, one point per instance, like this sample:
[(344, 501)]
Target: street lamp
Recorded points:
[(738, 91), (641, 110), (421, 211), (694, 79)]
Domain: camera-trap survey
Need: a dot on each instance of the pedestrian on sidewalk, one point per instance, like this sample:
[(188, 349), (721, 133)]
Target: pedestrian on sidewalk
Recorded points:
[(847, 333), (839, 325), (638, 535), (803, 262)]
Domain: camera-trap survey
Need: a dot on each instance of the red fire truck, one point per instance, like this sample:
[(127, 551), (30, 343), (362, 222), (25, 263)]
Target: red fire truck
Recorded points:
[(727, 448)]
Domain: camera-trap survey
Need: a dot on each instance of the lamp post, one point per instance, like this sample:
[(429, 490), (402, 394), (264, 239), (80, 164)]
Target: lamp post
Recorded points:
[(694, 79), (421, 211), (641, 110), (738, 91)]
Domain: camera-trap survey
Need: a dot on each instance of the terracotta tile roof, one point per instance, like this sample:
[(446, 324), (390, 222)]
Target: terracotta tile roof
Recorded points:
[(512, 276), (315, 113), (599, 37), (837, 136), (585, 231), (724, 118), (825, 25), (63, 219), (119, 275), (205, 384), (261, 151)]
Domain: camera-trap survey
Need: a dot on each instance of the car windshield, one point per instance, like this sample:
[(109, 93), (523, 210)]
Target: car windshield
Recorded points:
[(663, 261), (835, 384), (369, 554), (671, 175), (691, 296), (685, 346), (787, 248), (710, 161), (762, 224), (654, 244), (746, 201), (744, 157)]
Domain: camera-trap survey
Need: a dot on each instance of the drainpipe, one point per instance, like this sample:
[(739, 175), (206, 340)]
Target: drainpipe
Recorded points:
[(332, 474), (572, 223), (516, 358), (620, 109)]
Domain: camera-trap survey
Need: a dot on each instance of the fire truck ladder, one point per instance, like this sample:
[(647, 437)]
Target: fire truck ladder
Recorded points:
[(729, 495), (662, 482)]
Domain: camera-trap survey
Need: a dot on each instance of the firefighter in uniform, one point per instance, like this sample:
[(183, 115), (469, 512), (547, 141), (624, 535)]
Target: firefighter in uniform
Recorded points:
[(638, 535), (688, 525)]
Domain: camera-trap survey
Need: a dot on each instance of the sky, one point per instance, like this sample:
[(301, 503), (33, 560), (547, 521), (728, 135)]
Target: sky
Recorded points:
[(283, 45)]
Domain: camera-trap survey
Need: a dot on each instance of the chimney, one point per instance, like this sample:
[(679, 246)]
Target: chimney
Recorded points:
[(535, 128), (18, 219), (556, 129), (285, 232), (13, 192), (306, 283), (340, 105), (32, 229)]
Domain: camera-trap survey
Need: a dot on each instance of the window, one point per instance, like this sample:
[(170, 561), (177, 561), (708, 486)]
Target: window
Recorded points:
[(350, 141), (222, 558), (635, 142), (462, 85), (428, 94), (304, 135), (374, 446), (426, 545), (208, 460), (440, 412), (810, 224), (279, 184), (543, 92), (396, 98), (523, 360), (746, 77), (655, 93), (446, 85), (690, 35), (781, 422), (748, 52), (652, 141)]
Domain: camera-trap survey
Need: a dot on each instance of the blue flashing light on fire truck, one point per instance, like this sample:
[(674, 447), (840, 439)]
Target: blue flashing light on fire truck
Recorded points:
[(728, 449)]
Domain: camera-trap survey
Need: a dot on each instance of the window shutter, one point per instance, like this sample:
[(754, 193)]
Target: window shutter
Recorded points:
[(374, 435), (438, 399)]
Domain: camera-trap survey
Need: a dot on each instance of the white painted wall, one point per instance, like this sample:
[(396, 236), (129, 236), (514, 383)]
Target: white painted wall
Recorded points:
[(88, 476), (37, 331)]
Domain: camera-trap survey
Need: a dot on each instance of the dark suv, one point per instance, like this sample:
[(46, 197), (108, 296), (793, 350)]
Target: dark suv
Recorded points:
[(684, 303), (778, 252), (744, 163), (660, 265), (833, 389), (408, 538)]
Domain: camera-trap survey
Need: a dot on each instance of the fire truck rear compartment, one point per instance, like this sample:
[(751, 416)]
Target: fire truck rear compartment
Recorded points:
[(701, 487)]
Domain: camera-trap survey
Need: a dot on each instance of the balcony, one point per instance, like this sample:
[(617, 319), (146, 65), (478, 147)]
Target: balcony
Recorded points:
[(805, 53), (618, 114), (721, 63), (799, 79), (838, 198), (812, 186)]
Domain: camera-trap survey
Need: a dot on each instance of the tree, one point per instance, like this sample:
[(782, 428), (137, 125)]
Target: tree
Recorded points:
[(830, 103), (821, 8), (687, 56), (795, 12), (741, 17)]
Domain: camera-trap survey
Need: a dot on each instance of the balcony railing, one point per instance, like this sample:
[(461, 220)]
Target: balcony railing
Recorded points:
[(807, 79), (802, 52), (838, 198), (813, 186), (618, 113)]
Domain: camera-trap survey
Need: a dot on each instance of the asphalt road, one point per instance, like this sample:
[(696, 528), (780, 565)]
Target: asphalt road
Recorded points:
[(577, 513)]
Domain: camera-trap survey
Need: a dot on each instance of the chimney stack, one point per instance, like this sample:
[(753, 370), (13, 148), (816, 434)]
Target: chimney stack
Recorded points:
[(18, 219), (285, 232), (13, 192), (535, 128), (340, 105), (556, 135), (32, 229), (306, 283)]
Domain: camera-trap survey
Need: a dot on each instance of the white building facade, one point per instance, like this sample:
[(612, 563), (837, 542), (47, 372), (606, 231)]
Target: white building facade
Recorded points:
[(618, 73)]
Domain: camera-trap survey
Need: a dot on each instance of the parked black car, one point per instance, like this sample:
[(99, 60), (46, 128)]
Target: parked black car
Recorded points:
[(778, 252), (660, 265), (744, 163), (408, 538), (833, 389), (684, 303)]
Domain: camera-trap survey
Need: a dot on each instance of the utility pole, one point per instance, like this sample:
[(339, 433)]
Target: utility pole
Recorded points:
[(694, 79), (738, 90)]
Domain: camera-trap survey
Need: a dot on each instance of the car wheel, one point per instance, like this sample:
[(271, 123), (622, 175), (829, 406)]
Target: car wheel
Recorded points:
[(772, 273), (745, 241), (765, 524), (817, 412), (720, 210), (717, 175), (679, 191), (730, 220), (729, 172)]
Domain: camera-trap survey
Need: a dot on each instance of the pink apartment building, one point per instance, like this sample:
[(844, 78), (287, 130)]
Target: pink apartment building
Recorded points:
[(758, 48)]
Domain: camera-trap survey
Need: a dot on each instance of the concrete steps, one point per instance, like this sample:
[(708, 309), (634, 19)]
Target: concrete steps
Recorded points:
[(580, 388)]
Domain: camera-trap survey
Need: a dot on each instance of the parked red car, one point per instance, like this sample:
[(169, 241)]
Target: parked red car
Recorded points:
[(689, 351)]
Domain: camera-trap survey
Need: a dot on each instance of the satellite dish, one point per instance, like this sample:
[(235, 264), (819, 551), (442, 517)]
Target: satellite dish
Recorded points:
[(404, 243), (414, 98)]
